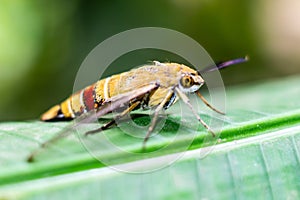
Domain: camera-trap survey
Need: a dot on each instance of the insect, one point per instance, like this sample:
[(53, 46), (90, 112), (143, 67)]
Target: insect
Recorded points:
[(154, 86)]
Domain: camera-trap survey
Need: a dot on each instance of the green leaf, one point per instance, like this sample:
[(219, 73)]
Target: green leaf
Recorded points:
[(257, 155)]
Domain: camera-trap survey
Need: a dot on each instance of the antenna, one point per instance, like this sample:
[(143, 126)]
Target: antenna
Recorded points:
[(225, 64)]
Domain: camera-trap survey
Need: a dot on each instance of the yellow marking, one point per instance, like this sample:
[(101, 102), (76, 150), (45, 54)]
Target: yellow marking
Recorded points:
[(106, 88), (98, 90), (114, 86), (51, 113), (70, 108), (76, 105), (66, 109)]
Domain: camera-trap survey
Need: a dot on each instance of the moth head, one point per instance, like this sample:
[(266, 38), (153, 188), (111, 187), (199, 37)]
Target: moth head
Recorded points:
[(190, 82)]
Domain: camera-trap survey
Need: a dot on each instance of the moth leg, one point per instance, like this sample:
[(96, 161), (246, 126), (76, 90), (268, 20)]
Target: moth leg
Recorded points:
[(187, 102), (113, 122), (102, 128), (156, 113), (207, 104)]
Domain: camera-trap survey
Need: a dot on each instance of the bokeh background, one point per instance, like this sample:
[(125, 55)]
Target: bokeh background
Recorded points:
[(43, 43)]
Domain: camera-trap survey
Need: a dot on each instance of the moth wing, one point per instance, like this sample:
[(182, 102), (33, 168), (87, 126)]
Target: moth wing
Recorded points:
[(118, 101), (113, 103)]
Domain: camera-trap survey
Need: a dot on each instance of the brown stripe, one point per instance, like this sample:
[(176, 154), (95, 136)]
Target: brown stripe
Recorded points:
[(88, 97)]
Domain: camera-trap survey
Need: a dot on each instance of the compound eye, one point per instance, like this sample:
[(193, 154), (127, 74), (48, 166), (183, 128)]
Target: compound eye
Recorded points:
[(186, 81)]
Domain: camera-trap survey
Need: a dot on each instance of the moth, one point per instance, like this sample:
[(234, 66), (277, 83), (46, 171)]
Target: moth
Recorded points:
[(155, 86)]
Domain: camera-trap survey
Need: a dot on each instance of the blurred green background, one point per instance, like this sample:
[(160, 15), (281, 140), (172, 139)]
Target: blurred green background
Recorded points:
[(43, 43)]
